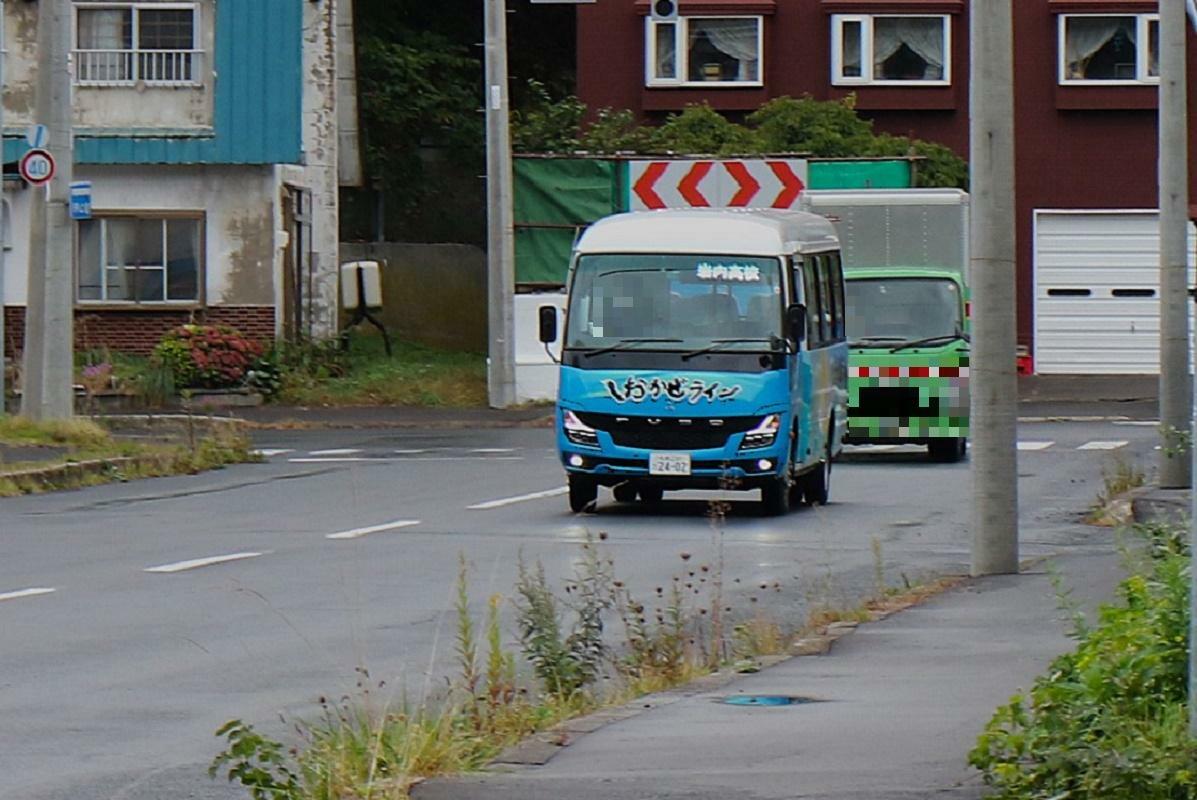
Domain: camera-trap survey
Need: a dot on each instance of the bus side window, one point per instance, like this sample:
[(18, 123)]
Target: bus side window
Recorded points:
[(837, 293), (814, 304), (831, 311)]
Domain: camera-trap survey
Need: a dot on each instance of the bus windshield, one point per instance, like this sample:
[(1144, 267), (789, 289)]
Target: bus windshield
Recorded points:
[(674, 302), (897, 310)]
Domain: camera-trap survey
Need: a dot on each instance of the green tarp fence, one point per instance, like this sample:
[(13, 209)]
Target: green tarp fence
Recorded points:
[(557, 197)]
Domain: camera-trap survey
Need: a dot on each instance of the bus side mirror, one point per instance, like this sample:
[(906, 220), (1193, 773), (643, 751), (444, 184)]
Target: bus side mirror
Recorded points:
[(796, 322), (548, 324)]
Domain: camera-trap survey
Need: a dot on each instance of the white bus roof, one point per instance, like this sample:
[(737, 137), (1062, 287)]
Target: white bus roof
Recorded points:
[(746, 232)]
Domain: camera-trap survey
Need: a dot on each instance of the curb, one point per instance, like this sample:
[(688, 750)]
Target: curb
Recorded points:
[(538, 749), (50, 477), (397, 424)]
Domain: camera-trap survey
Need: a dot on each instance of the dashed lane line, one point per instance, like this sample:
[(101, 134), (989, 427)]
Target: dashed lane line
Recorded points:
[(340, 451), (271, 452), (1103, 445), (196, 563), (523, 498), (382, 459), (26, 593), (1032, 446), (357, 533)]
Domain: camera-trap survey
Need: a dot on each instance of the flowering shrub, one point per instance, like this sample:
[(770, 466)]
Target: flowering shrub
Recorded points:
[(207, 356)]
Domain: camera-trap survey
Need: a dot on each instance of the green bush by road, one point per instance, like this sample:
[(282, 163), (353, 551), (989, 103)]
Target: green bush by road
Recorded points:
[(1110, 719)]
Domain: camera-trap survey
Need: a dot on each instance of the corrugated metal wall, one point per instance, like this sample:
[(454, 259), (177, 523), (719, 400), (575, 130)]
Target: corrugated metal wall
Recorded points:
[(258, 102)]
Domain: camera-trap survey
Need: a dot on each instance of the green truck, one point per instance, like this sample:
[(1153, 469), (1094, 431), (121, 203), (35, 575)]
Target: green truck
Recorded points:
[(905, 268)]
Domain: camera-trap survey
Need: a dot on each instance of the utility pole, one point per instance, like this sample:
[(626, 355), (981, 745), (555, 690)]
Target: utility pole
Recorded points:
[(1176, 398), (993, 383), (4, 233), (500, 240), (49, 322)]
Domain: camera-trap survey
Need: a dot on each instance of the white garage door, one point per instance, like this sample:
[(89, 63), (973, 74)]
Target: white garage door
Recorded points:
[(1097, 305)]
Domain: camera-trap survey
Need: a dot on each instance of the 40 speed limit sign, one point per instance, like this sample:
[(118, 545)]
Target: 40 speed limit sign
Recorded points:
[(37, 167)]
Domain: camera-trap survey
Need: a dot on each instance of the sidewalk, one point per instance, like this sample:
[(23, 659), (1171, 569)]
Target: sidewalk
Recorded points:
[(1039, 396), (900, 704)]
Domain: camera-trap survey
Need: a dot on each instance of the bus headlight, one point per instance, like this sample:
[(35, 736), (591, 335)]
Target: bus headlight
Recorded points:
[(578, 431), (763, 435)]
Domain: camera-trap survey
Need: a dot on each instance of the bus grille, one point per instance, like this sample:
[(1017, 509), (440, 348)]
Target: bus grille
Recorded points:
[(670, 433)]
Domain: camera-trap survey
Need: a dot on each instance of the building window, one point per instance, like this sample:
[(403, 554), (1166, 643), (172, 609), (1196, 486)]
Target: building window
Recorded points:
[(129, 259), (129, 43), (1123, 48), (883, 49), (707, 50)]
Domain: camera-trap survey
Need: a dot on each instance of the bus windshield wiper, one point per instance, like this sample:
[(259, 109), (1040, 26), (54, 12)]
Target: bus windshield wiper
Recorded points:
[(931, 340), (866, 341), (721, 344), (623, 345)]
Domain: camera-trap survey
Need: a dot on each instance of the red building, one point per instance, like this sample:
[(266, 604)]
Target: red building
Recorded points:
[(1086, 88)]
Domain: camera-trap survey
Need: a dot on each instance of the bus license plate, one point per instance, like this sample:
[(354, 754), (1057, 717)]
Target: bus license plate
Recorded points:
[(669, 464)]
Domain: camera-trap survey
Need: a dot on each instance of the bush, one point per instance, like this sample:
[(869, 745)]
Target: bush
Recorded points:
[(207, 356), (1108, 720)]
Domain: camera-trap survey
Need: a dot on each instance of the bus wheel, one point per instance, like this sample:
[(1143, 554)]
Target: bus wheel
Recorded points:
[(775, 497), (947, 451), (816, 484), (651, 494), (582, 493), (625, 492)]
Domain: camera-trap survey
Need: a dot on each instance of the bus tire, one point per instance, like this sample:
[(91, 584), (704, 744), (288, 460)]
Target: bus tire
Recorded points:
[(775, 497), (816, 484), (947, 451), (651, 494), (583, 492), (625, 492)]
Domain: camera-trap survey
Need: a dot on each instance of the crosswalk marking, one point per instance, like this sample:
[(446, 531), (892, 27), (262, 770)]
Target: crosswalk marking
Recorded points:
[(357, 533), (1031, 446), (1101, 445)]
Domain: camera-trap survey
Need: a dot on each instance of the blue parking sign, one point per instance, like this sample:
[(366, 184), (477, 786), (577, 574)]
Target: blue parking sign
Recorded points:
[(81, 200)]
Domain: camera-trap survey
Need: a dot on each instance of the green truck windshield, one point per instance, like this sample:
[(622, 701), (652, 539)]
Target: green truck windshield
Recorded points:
[(675, 302), (895, 310)]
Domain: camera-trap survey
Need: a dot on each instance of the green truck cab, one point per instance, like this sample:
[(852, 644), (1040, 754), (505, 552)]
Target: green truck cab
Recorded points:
[(905, 258), (908, 358)]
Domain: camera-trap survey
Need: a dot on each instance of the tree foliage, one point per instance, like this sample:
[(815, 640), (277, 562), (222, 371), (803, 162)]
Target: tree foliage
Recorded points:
[(824, 129)]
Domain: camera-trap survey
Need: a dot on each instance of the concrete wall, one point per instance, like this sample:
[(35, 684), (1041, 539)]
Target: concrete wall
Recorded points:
[(108, 107), (433, 293), (239, 206)]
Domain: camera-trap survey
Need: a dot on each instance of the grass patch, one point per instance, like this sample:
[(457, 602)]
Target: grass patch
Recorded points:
[(86, 454), (415, 375), (1118, 477)]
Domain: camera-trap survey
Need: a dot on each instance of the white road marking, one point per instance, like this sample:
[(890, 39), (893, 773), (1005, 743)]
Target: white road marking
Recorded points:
[(873, 448), (271, 452), (386, 460), (25, 593), (1145, 423), (410, 452), (196, 563), (1102, 445), (509, 501), (337, 460), (344, 451), (357, 533), (493, 450), (1024, 446)]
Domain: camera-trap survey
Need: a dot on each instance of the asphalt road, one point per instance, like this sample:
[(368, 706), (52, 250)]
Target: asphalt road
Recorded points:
[(180, 603)]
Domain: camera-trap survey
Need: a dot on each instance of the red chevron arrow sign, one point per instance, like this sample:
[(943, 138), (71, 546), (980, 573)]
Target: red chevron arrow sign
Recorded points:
[(730, 183)]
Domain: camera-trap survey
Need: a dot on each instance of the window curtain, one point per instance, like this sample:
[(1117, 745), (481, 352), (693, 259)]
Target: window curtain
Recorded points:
[(734, 38), (923, 35), (666, 50), (1084, 36), (104, 29)]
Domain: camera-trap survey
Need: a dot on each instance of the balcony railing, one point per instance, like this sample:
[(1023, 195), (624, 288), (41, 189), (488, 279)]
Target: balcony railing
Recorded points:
[(131, 67)]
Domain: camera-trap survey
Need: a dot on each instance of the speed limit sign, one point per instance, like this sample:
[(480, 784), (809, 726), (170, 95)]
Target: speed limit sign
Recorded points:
[(37, 167)]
